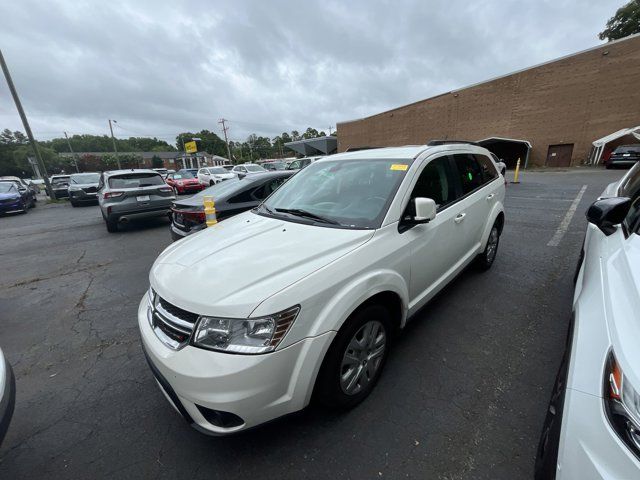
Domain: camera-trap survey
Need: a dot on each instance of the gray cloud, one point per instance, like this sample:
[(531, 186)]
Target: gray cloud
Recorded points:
[(267, 66)]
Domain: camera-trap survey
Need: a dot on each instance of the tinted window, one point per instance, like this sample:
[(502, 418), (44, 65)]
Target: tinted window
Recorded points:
[(631, 188), (135, 180), (469, 172), (488, 168), (60, 181), (243, 197), (82, 178), (434, 182), (268, 188)]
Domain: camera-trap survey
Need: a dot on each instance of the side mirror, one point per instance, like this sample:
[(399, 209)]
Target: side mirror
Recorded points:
[(425, 211), (606, 213)]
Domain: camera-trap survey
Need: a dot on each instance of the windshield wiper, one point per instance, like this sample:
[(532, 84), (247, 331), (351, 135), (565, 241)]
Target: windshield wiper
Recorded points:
[(298, 212)]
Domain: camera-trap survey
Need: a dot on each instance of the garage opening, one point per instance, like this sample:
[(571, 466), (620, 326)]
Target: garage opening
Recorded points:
[(602, 148), (509, 150)]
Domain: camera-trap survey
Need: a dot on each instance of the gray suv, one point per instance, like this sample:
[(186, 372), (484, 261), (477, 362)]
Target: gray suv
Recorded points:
[(83, 188), (125, 195)]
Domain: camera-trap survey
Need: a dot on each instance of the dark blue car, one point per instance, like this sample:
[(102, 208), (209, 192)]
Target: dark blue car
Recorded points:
[(12, 199)]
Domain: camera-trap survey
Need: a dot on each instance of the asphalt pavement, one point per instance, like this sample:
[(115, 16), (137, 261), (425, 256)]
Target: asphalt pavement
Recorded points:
[(463, 394)]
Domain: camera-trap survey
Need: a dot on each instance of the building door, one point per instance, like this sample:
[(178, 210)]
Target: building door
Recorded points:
[(559, 155)]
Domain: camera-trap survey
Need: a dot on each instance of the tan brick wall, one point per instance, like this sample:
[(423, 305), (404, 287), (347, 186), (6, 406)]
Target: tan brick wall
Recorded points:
[(572, 100)]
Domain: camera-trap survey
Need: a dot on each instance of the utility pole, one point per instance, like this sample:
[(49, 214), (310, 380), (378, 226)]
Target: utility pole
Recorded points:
[(25, 123), (75, 161), (330, 130), (226, 139), (115, 148)]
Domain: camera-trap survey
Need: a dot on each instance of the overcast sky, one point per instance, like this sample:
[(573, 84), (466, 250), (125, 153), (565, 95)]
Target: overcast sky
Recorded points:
[(267, 66)]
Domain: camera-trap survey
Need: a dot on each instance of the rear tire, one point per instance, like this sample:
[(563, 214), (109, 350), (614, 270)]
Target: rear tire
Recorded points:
[(354, 362), (211, 183), (487, 257), (112, 225)]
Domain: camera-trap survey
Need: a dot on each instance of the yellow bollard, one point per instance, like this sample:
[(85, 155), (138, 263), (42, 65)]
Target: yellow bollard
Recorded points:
[(209, 210), (515, 175)]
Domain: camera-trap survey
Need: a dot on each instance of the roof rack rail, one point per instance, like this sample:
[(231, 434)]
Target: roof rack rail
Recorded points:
[(434, 143), (357, 149)]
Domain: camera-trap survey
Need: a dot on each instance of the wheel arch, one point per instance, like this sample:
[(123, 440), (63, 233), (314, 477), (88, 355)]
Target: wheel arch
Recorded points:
[(497, 216)]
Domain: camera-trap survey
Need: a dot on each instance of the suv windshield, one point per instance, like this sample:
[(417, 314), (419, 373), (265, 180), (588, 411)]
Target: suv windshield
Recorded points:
[(60, 180), (83, 178), (135, 180), (347, 193)]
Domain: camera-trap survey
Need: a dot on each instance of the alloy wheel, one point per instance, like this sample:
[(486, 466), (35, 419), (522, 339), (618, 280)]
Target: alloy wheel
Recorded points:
[(492, 245), (363, 357)]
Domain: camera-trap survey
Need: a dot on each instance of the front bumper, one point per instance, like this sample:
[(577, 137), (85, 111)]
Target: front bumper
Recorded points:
[(82, 196), (11, 207), (193, 188), (589, 448), (255, 388), (60, 193)]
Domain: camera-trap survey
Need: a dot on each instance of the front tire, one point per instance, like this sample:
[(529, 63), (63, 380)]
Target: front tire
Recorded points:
[(487, 257), (354, 362), (211, 183)]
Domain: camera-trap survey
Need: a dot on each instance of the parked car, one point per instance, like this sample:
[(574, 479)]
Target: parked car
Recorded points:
[(624, 156), (274, 166), (592, 427), (357, 243), (211, 175), (247, 169), (83, 188), (26, 183), (500, 165), (125, 195), (227, 166), (183, 182), (192, 171), (14, 197), (7, 395), (300, 163), (232, 197), (162, 171), (60, 186)]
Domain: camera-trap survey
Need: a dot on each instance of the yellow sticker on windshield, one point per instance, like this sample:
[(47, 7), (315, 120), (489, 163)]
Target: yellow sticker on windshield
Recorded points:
[(399, 166)]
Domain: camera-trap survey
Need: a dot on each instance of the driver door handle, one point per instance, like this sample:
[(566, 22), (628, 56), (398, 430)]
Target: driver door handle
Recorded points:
[(459, 217), (490, 196)]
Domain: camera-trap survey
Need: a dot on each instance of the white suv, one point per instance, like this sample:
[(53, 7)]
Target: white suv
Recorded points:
[(592, 428), (247, 319), (209, 176)]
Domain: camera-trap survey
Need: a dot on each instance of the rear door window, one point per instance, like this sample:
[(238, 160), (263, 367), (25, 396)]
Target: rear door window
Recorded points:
[(489, 172), (136, 180), (469, 172)]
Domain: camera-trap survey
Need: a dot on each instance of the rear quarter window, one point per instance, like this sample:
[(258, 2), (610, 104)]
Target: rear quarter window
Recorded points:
[(489, 172), (136, 180)]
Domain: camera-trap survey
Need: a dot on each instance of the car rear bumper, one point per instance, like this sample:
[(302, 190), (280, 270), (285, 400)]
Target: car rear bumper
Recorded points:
[(220, 393), (139, 214), (589, 448), (8, 400), (60, 193)]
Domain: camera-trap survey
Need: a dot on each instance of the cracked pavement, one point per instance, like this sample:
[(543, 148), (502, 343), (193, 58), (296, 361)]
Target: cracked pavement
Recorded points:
[(463, 394)]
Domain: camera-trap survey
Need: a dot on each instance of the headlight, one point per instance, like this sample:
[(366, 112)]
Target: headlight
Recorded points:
[(622, 404), (246, 335)]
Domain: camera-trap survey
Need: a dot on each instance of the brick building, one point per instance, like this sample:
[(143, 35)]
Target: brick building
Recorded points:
[(557, 109)]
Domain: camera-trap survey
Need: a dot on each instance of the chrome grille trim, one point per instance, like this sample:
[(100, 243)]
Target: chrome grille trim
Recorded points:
[(167, 324)]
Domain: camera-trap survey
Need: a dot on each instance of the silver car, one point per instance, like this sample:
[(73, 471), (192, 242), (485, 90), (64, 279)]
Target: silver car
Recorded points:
[(125, 195), (83, 188)]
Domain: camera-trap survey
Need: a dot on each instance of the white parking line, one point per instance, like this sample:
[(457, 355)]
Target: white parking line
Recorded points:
[(566, 221)]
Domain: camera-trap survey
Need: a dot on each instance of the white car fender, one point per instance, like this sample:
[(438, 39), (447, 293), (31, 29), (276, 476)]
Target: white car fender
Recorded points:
[(497, 209)]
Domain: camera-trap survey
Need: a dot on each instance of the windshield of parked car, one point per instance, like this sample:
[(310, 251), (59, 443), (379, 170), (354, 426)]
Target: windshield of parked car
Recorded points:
[(8, 187), (218, 171), (343, 193), (275, 166), (82, 178), (136, 180), (254, 168), (223, 188), (182, 175), (627, 149), (60, 180)]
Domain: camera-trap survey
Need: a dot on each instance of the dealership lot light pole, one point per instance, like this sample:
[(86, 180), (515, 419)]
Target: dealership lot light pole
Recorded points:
[(25, 123), (115, 147)]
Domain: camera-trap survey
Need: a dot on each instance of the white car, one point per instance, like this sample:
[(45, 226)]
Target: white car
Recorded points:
[(300, 163), (245, 321), (592, 428), (247, 169), (209, 176), (7, 395)]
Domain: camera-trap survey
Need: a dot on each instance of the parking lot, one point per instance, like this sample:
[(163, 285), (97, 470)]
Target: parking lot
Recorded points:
[(463, 394)]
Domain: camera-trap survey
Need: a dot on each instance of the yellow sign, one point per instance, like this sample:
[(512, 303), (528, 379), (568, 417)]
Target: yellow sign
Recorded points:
[(190, 147), (399, 166)]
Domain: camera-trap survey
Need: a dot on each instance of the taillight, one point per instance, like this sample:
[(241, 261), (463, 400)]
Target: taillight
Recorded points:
[(113, 194), (166, 189)]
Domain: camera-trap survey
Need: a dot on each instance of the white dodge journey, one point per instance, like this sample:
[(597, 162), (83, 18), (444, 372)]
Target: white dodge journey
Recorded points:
[(300, 297)]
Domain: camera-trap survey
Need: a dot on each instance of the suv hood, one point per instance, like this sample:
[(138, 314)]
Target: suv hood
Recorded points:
[(229, 269)]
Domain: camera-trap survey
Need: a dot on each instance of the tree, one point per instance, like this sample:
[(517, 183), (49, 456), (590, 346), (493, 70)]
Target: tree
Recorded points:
[(156, 162), (209, 142), (625, 22)]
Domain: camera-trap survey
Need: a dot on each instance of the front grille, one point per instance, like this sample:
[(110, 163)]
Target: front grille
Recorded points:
[(90, 189), (171, 324)]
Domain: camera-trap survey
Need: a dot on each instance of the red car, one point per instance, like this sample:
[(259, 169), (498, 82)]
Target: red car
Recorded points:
[(184, 182)]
